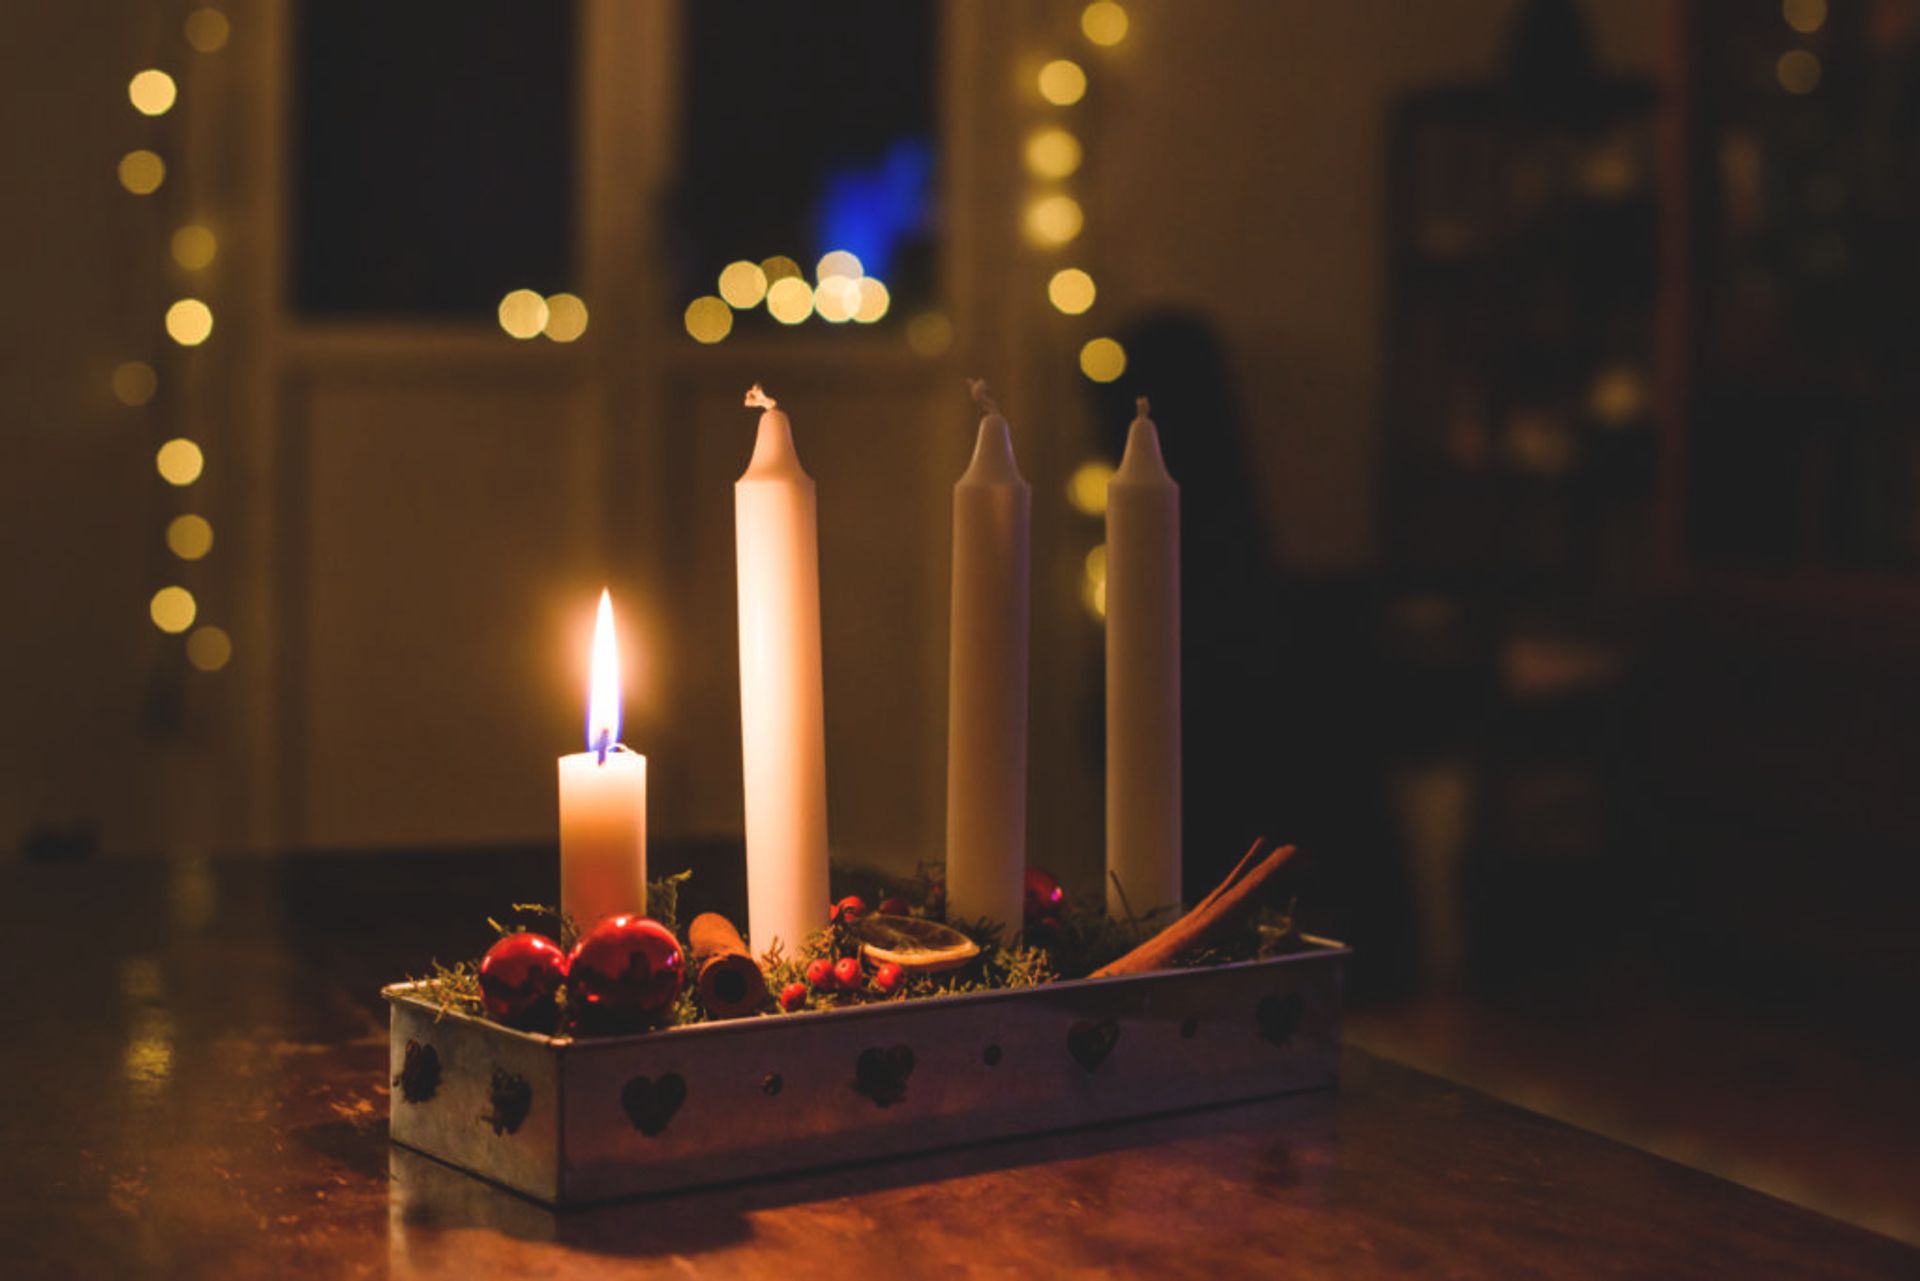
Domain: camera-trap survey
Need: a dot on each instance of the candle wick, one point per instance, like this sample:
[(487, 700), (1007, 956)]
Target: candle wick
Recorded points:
[(758, 399), (1140, 405), (606, 744), (981, 396)]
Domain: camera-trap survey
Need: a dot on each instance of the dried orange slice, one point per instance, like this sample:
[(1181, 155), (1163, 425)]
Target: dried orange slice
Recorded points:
[(916, 945)]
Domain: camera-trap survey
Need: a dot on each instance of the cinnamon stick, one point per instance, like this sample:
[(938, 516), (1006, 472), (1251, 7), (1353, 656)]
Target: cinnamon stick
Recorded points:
[(727, 978), (1214, 919)]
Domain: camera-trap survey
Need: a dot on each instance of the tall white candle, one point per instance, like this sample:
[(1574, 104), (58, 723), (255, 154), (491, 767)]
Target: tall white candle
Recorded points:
[(603, 800), (987, 682), (782, 720), (1143, 678)]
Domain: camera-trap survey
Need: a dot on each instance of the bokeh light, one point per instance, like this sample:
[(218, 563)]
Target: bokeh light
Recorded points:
[(1062, 82), (1798, 71), (1104, 22), (1103, 360), (134, 382), (839, 263), (1054, 220), (189, 322), (874, 300), (708, 319), (179, 461), (1053, 153), (790, 300), (523, 314), (208, 29), (743, 284), (1087, 488), (778, 268), (152, 92), (194, 247), (189, 537), (837, 298), (172, 609), (1093, 582), (566, 317), (930, 333), (1071, 291), (142, 172), (209, 649), (1804, 16)]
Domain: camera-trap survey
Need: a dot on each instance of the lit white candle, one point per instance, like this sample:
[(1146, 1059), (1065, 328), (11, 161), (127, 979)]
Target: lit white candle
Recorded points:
[(987, 682), (1143, 677), (782, 719), (603, 800)]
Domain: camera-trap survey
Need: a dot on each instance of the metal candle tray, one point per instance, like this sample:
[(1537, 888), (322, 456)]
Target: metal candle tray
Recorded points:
[(572, 1122)]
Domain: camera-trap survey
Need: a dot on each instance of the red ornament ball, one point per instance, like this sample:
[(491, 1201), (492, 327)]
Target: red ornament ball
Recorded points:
[(793, 996), (1044, 897), (846, 972), (626, 968), (889, 978), (820, 974), (519, 977), (848, 910)]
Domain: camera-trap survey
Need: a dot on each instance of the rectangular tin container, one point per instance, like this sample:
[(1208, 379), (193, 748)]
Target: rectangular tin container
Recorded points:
[(572, 1122)]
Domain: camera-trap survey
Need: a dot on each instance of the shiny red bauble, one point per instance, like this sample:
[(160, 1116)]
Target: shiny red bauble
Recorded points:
[(847, 910), (626, 969), (889, 978), (1044, 897), (519, 978), (793, 996), (846, 973), (820, 974)]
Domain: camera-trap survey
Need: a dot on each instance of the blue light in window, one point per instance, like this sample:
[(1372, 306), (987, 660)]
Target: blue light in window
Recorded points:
[(869, 212)]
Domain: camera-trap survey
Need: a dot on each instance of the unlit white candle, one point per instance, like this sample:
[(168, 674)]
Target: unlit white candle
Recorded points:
[(782, 719), (1143, 678), (603, 800), (987, 682)]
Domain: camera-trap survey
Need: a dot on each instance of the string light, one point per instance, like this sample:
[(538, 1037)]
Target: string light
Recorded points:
[(189, 322), (1054, 220), (930, 333), (708, 319), (837, 298), (778, 268), (1087, 488), (1062, 82), (207, 30), (209, 649), (142, 172), (1053, 153), (134, 382), (172, 609), (1798, 71), (874, 300), (1104, 22), (790, 300), (189, 537), (839, 263), (1103, 360), (566, 318), (194, 247), (152, 92), (1804, 16), (743, 284), (179, 461), (1071, 291)]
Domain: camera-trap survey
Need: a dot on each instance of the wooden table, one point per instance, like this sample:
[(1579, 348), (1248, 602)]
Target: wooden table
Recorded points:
[(195, 1086)]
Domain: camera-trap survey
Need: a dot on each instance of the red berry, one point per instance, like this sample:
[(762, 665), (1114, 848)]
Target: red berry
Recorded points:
[(894, 905), (889, 978), (627, 969), (1044, 897), (820, 975), (848, 910), (793, 996), (846, 972), (519, 977)]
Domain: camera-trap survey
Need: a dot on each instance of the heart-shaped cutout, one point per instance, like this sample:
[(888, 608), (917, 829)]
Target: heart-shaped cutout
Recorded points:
[(881, 1073), (509, 1099), (650, 1104), (1091, 1042), (1279, 1017)]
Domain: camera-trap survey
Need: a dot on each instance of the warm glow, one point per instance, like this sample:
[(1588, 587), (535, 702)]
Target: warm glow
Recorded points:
[(1087, 488), (708, 319), (179, 461), (142, 172), (194, 247), (780, 267), (790, 300), (189, 322), (152, 92), (1804, 16), (1093, 582), (1104, 22), (743, 284), (1103, 360), (837, 298), (874, 301), (1798, 71), (209, 649), (839, 263), (207, 30), (603, 686), (189, 537), (134, 382), (1062, 82), (1054, 220), (930, 333), (1053, 153), (523, 314), (1618, 395), (1071, 291), (566, 318), (172, 609)]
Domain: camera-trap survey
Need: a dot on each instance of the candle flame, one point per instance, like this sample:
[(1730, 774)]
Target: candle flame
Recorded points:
[(603, 688)]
